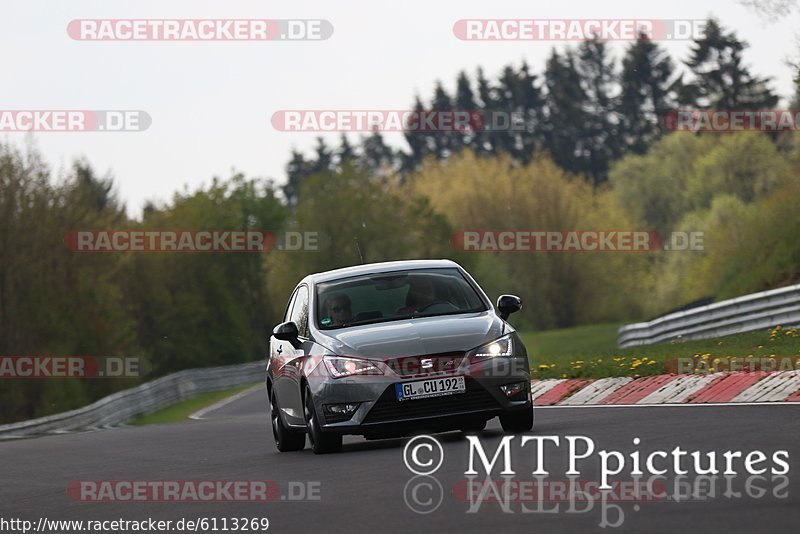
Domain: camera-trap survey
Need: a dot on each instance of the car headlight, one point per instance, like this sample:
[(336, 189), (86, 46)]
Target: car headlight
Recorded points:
[(340, 367), (499, 348)]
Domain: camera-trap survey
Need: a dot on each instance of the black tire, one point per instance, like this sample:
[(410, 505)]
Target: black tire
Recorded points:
[(286, 439), (517, 421), (474, 428), (321, 442)]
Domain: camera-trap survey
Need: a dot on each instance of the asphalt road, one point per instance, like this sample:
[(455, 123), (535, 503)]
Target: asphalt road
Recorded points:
[(368, 487)]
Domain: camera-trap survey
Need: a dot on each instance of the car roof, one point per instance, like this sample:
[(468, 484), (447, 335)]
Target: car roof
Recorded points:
[(383, 267)]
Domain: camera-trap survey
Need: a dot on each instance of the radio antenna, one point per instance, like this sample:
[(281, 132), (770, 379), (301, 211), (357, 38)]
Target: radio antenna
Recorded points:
[(358, 248)]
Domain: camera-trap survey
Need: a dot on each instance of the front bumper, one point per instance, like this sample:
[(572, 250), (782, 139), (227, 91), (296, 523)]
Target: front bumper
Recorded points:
[(380, 414)]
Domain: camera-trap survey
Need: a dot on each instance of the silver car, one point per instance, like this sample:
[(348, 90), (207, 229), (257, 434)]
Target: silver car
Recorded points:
[(391, 349)]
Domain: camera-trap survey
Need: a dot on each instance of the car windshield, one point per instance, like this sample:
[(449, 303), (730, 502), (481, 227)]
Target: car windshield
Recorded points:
[(392, 296)]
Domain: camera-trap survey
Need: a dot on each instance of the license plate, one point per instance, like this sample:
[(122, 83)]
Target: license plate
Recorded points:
[(433, 387)]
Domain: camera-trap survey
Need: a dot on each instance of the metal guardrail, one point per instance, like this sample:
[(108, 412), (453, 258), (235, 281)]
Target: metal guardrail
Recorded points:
[(123, 406), (743, 314)]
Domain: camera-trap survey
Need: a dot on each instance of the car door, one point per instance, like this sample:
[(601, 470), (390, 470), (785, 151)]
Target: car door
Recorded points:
[(288, 361)]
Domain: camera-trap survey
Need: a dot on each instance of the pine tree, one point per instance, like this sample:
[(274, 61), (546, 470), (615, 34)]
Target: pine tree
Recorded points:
[(482, 142), (532, 104), (324, 157), (464, 102), (601, 126), (297, 169), (566, 118), (444, 142), (346, 153), (649, 89), (417, 142), (376, 154), (720, 80)]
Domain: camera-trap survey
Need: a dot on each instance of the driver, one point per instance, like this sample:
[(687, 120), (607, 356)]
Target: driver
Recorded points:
[(421, 293), (337, 308)]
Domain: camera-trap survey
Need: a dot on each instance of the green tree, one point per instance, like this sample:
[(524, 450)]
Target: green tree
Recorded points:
[(652, 187), (353, 209), (54, 301), (561, 288), (746, 165), (199, 309)]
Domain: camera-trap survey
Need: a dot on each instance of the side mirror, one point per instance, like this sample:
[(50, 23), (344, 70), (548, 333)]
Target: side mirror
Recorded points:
[(508, 304), (287, 332)]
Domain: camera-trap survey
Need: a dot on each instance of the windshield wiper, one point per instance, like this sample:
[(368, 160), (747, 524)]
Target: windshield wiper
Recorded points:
[(417, 314), (414, 315)]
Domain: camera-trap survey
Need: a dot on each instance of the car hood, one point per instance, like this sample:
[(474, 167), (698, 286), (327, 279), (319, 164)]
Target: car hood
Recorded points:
[(413, 337)]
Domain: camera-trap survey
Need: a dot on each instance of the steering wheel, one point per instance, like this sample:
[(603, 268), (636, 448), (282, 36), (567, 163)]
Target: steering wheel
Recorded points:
[(434, 303)]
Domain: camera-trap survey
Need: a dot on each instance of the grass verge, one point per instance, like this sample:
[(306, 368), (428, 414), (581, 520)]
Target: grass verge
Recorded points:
[(591, 352), (182, 410)]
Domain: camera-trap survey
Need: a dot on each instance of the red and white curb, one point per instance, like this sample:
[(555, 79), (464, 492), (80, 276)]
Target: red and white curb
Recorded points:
[(743, 387)]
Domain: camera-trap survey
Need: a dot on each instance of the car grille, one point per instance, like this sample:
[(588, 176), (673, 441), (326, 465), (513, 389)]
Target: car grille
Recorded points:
[(419, 366), (388, 408)]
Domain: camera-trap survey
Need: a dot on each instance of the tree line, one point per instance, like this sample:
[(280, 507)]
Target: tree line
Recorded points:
[(576, 168), (585, 110)]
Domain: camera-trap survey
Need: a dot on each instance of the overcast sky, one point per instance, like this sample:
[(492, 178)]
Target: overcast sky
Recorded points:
[(211, 102)]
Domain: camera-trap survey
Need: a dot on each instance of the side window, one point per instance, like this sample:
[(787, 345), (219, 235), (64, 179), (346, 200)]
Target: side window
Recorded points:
[(299, 313), (288, 315)]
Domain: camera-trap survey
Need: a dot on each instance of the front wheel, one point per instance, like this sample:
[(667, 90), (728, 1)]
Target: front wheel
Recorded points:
[(286, 439), (517, 421), (321, 442)]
